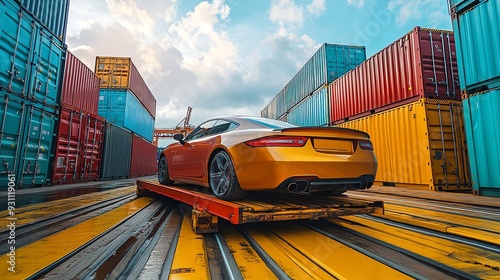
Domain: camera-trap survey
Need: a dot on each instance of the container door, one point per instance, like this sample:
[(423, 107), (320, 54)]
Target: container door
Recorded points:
[(67, 157), (17, 37), (44, 86), (91, 152), (449, 159), (11, 120), (36, 145)]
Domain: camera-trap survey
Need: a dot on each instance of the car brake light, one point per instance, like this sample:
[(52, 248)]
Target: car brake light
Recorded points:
[(278, 141), (366, 145)]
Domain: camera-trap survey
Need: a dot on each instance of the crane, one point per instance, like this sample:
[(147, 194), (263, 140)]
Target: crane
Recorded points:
[(182, 127)]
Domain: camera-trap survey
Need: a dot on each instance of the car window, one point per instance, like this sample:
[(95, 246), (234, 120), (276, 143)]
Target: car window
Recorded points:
[(201, 131), (222, 126), (269, 123)]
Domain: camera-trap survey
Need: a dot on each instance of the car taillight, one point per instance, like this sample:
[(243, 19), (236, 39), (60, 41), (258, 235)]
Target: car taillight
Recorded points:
[(366, 145), (278, 141)]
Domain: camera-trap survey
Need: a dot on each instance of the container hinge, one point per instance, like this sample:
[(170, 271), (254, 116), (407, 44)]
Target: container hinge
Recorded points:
[(6, 166)]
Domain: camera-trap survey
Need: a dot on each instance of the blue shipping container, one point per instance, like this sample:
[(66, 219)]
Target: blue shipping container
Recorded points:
[(482, 123), (477, 37), (121, 107), (30, 57), (329, 63), (312, 111), (458, 6), (28, 133), (52, 13)]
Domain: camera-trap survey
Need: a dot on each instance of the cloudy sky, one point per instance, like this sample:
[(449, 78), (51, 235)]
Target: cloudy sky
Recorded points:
[(233, 56)]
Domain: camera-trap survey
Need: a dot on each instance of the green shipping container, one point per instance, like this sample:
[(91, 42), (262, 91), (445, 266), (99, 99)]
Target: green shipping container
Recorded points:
[(27, 134), (482, 128)]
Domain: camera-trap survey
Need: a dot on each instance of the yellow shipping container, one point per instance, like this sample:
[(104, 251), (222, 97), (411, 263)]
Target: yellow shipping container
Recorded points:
[(420, 144), (114, 72)]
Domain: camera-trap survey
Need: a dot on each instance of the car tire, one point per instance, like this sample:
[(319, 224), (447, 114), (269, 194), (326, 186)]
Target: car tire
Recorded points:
[(163, 176), (222, 178)]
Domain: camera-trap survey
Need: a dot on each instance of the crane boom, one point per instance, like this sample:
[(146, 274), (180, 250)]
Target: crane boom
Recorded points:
[(182, 127)]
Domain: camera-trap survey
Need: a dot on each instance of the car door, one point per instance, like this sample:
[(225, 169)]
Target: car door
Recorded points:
[(187, 159)]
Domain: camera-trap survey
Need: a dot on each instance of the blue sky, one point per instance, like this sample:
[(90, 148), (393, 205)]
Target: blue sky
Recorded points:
[(226, 57)]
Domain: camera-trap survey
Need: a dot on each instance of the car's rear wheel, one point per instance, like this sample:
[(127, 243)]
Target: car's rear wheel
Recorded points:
[(222, 178), (163, 176)]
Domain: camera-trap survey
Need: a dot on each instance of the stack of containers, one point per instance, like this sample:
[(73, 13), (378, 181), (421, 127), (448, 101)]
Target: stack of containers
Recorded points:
[(78, 149), (477, 28), (31, 51), (328, 63), (126, 101), (407, 98)]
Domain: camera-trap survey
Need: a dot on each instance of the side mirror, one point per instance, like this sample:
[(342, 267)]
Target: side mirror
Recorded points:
[(179, 138)]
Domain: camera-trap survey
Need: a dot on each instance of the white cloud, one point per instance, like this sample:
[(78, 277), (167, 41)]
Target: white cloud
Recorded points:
[(356, 3), (286, 14), (317, 7), (406, 11)]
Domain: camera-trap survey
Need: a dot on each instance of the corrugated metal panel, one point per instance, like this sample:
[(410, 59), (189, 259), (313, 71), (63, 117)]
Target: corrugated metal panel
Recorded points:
[(327, 64), (121, 73), (52, 13), (12, 114), (34, 155), (482, 123), (312, 111), (92, 145), (80, 86), (421, 144), (122, 108), (31, 57), (116, 153), (477, 33), (421, 64), (67, 148), (143, 161)]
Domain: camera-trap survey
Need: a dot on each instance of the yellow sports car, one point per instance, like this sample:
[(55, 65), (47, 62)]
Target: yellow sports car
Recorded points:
[(234, 155)]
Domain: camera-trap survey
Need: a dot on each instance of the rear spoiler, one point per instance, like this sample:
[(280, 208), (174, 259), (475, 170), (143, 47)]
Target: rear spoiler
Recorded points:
[(326, 128)]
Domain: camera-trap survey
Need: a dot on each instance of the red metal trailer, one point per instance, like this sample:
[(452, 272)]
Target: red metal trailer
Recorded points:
[(258, 206)]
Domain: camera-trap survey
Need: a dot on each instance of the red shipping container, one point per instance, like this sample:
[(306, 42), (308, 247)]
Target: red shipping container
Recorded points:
[(143, 159), (78, 149), (420, 64), (92, 141), (80, 86), (67, 146)]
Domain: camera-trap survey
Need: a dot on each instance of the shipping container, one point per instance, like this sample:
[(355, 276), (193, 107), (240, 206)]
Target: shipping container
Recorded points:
[(121, 73), (31, 57), (328, 63), (143, 159), (11, 129), (419, 144), (53, 14), (78, 148), (312, 111), (68, 147), (92, 146), (482, 123), (477, 35), (116, 153), (421, 64), (80, 86), (27, 135), (122, 108)]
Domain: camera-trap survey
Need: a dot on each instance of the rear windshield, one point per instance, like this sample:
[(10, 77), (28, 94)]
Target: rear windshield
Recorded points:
[(269, 123)]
